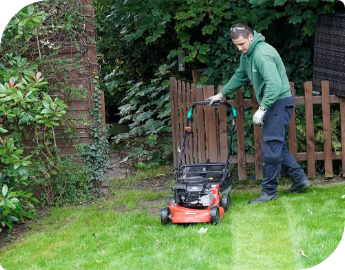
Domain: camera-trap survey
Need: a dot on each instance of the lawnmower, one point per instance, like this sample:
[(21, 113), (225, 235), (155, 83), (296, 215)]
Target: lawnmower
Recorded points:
[(202, 192)]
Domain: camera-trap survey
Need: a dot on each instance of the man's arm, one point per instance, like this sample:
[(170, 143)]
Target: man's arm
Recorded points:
[(237, 80), (273, 84)]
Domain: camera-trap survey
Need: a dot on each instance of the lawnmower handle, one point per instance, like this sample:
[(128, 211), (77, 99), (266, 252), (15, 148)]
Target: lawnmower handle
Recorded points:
[(206, 102)]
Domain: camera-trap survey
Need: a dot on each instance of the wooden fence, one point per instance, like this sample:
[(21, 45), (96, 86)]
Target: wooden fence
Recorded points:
[(209, 134)]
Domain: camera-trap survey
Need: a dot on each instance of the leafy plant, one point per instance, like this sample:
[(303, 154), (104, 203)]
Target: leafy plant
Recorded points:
[(63, 180), (15, 206), (148, 111), (31, 118)]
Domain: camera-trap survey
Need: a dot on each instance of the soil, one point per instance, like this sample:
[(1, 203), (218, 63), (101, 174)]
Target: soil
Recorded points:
[(156, 184), (20, 229)]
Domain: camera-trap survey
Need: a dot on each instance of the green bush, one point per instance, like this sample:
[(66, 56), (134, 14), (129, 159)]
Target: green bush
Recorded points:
[(62, 180), (15, 206)]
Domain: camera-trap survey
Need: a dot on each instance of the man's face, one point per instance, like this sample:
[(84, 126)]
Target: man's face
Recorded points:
[(242, 43)]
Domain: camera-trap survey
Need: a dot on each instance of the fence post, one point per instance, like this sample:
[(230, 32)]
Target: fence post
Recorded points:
[(240, 136), (342, 117), (190, 141), (200, 119), (223, 131), (184, 118), (292, 126), (210, 127), (194, 135), (308, 93), (326, 112), (257, 143)]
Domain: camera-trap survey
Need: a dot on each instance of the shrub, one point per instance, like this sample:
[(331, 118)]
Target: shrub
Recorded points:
[(63, 180)]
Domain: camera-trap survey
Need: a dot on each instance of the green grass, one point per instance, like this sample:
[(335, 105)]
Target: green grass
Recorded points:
[(120, 234)]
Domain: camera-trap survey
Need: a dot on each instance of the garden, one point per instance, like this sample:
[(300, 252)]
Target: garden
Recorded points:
[(84, 95)]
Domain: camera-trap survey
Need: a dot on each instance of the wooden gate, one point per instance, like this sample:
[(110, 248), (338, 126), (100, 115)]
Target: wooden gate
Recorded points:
[(209, 134)]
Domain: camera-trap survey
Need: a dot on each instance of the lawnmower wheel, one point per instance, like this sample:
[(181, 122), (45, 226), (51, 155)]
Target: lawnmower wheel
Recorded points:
[(225, 202), (165, 213), (215, 216)]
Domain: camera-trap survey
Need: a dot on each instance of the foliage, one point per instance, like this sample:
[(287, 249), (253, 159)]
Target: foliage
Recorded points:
[(319, 137), (15, 206), (148, 110), (33, 121), (23, 24), (96, 152), (199, 30), (128, 60), (63, 180)]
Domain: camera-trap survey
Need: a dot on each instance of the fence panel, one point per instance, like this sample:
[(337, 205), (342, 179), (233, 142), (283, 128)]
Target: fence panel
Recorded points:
[(210, 128)]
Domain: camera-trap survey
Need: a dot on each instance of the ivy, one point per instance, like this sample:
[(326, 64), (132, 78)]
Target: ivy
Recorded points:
[(96, 152)]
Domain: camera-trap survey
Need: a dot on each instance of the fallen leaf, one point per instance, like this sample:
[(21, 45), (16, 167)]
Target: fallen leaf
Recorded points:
[(202, 230), (302, 253), (157, 242), (133, 235), (99, 261), (101, 206), (343, 197), (96, 235), (160, 175)]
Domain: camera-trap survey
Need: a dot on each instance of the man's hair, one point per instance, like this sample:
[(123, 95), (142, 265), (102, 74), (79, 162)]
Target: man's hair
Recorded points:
[(240, 30)]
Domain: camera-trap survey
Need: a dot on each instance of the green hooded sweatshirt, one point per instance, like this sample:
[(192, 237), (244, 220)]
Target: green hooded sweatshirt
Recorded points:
[(263, 66)]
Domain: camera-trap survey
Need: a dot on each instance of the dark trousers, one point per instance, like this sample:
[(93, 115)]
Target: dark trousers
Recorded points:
[(275, 153)]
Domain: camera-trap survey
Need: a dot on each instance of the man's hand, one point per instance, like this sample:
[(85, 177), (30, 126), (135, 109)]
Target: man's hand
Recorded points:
[(258, 118), (215, 98)]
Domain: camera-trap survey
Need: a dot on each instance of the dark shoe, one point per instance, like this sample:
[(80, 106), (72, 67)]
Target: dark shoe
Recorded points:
[(264, 198), (299, 187)]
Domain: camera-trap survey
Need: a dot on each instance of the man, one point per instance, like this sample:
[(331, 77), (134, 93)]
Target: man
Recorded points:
[(261, 64)]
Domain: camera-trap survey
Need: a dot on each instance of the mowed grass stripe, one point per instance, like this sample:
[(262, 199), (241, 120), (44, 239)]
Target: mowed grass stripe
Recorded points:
[(260, 238), (316, 220)]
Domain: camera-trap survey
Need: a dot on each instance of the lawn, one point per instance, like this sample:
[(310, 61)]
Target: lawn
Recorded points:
[(124, 232)]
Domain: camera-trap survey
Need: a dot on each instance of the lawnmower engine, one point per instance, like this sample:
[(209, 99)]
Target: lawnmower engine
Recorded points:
[(194, 192)]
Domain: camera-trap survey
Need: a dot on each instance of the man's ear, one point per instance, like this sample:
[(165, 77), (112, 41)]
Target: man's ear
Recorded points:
[(250, 37)]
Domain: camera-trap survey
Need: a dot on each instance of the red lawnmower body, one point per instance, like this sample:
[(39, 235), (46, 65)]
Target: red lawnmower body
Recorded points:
[(180, 214)]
